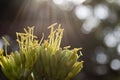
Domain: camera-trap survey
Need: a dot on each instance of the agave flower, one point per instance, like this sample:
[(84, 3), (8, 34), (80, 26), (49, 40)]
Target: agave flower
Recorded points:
[(55, 63), (41, 61), (18, 65), (13, 66)]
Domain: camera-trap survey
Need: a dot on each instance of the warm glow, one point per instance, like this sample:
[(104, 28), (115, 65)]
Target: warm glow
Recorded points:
[(101, 58), (115, 64), (90, 24), (101, 11), (58, 2), (83, 12), (110, 40)]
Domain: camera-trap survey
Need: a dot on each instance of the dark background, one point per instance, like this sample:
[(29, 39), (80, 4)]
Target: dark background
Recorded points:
[(93, 25)]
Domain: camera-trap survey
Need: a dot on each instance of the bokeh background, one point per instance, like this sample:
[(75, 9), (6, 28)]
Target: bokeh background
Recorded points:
[(93, 25)]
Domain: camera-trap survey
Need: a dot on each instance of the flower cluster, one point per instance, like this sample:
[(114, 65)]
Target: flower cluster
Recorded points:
[(44, 60)]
